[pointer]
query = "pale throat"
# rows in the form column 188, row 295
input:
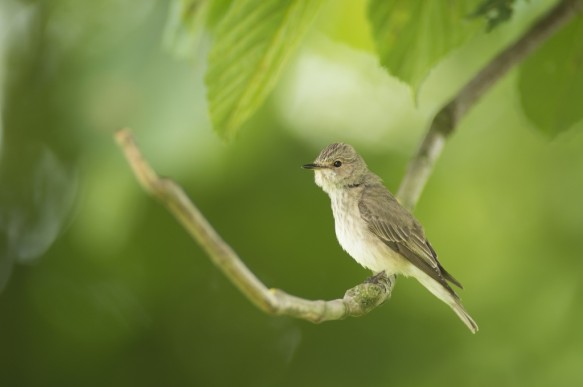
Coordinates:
column 323, row 182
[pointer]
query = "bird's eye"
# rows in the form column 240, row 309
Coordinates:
column 337, row 163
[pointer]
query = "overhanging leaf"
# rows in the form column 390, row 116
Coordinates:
column 551, row 81
column 252, row 45
column 412, row 36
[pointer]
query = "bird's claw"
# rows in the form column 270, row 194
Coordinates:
column 377, row 278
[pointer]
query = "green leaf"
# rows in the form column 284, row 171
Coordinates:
column 217, row 10
column 253, row 43
column 412, row 36
column 551, row 81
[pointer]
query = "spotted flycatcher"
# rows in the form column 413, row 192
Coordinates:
column 376, row 230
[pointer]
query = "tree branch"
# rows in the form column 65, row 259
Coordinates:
column 364, row 297
column 356, row 302
column 447, row 119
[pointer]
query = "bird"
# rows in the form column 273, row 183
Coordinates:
column 376, row 230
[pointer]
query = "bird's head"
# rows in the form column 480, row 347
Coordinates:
column 338, row 166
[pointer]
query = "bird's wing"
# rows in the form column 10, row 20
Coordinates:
column 399, row 230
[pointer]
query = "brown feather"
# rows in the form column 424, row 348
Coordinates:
column 399, row 230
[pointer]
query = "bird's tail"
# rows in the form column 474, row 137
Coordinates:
column 458, row 308
column 447, row 295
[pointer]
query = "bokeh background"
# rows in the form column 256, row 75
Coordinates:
column 101, row 286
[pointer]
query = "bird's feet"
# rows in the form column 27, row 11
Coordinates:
column 382, row 279
column 377, row 278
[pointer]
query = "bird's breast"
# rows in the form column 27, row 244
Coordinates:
column 356, row 239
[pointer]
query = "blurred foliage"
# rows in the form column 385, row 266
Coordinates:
column 185, row 26
column 113, row 292
column 551, row 81
column 188, row 20
column 495, row 12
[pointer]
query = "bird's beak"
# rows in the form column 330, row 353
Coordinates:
column 311, row 166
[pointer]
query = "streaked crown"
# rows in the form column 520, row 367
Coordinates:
column 337, row 151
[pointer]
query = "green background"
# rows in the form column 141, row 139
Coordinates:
column 113, row 292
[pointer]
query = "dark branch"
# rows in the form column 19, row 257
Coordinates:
column 447, row 119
